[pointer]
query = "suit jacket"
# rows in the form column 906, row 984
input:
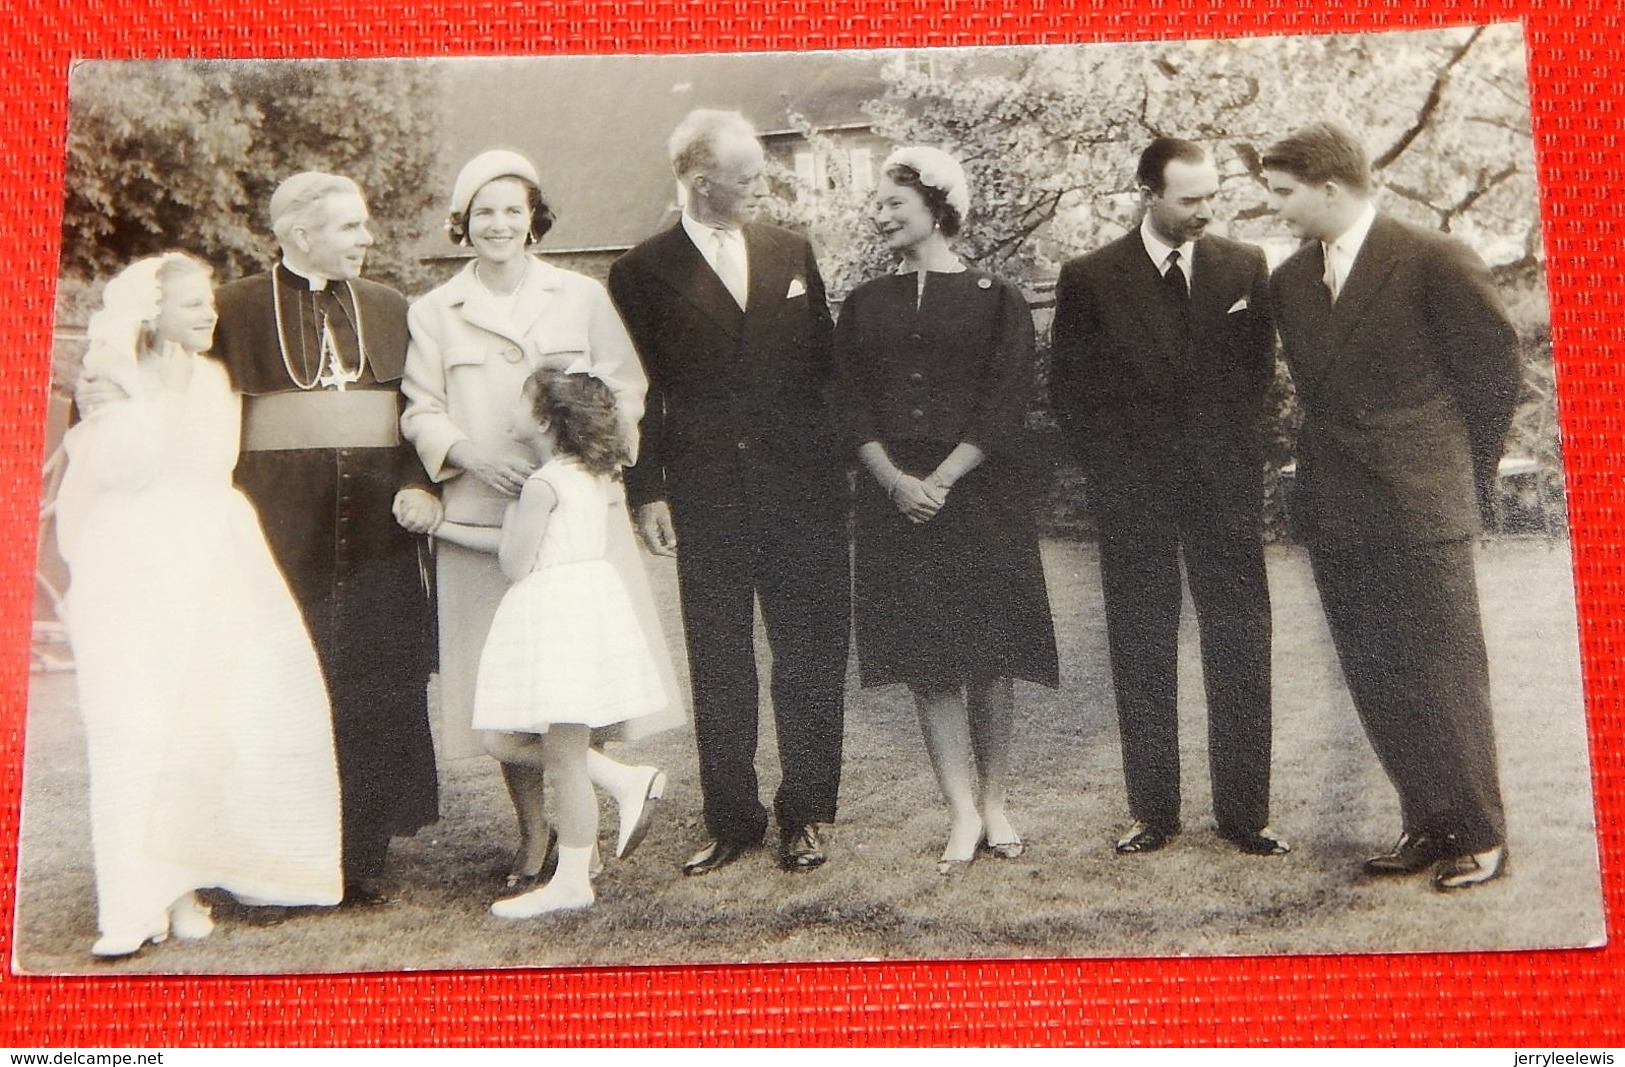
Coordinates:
column 1136, row 391
column 736, row 398
column 467, row 366
column 1408, row 383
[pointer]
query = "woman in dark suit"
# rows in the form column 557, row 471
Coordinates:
column 936, row 367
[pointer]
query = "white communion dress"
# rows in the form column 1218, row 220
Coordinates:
column 210, row 739
column 566, row 645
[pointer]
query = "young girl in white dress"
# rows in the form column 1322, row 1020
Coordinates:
column 210, row 739
column 566, row 652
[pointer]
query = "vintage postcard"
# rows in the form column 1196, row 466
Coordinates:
column 1073, row 501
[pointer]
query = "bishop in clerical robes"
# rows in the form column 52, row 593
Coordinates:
column 318, row 354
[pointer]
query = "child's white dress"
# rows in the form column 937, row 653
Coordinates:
column 210, row 739
column 566, row 645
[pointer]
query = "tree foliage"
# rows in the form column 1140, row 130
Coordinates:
column 1049, row 137
column 185, row 154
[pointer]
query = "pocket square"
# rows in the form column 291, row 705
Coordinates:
column 1239, row 305
column 797, row 288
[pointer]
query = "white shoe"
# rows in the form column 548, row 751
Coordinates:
column 117, row 946
column 637, row 811
column 543, row 901
column 189, row 919
column 570, row 889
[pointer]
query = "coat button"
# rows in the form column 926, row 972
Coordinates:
column 917, row 413
column 743, row 446
column 916, row 338
column 512, row 354
column 916, row 377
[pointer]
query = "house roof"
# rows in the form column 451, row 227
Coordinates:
column 596, row 126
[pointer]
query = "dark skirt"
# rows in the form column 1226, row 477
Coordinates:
column 958, row 598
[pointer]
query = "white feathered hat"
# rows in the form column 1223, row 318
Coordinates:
column 937, row 169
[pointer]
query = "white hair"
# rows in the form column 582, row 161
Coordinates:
column 298, row 201
column 692, row 144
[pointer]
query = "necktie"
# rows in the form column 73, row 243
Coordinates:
column 1174, row 278
column 1330, row 277
column 730, row 265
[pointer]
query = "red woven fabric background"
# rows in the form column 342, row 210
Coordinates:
column 1577, row 66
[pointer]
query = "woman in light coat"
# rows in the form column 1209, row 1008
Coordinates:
column 475, row 340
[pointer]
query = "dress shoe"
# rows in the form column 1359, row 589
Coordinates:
column 569, row 890
column 637, row 810
column 800, row 848
column 1259, row 843
column 965, row 840
column 367, row 896
column 118, row 946
column 1000, row 840
column 546, row 900
column 1143, row 837
column 717, row 854
column 1005, row 850
column 1410, row 854
column 519, row 877
column 1475, row 868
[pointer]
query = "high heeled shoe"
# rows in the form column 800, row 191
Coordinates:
column 1005, row 850
column 519, row 877
column 950, row 863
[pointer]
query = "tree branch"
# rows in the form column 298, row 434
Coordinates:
column 1476, row 194
column 1434, row 98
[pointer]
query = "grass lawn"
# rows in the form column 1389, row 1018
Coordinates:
column 880, row 895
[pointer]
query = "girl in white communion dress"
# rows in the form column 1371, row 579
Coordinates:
column 209, row 735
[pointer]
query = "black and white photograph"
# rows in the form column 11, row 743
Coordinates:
column 1090, row 500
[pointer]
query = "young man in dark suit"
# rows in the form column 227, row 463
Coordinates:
column 1163, row 349
column 740, row 457
column 1407, row 370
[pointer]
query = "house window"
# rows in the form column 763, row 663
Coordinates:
column 807, row 166
column 863, row 169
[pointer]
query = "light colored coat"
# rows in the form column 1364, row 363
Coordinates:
column 468, row 362
column 465, row 371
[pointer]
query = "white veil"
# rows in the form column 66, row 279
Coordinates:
column 106, row 447
column 130, row 304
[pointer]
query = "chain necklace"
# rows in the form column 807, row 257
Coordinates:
column 329, row 372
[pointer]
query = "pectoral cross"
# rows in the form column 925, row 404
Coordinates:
column 334, row 374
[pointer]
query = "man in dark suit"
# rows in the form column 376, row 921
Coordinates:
column 1163, row 349
column 739, row 455
column 1407, row 370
